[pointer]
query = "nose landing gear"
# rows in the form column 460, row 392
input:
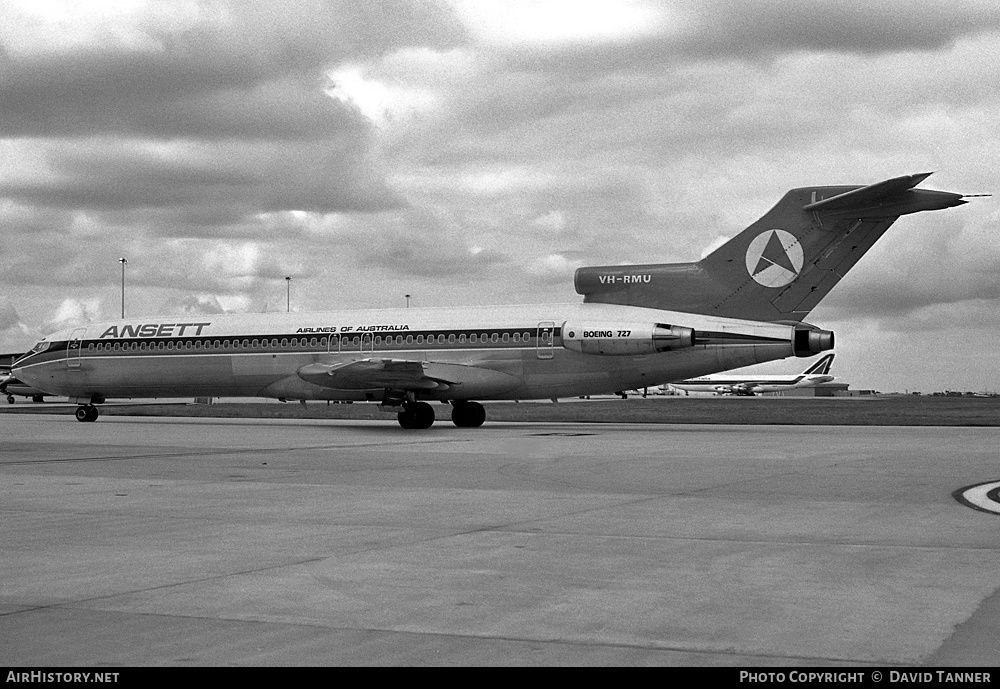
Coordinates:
column 86, row 412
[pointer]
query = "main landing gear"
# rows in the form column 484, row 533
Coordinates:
column 86, row 412
column 416, row 415
column 421, row 415
column 467, row 414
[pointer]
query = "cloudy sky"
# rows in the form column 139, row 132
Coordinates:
column 479, row 151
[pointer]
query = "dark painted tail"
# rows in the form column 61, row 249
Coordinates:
column 821, row 367
column 779, row 268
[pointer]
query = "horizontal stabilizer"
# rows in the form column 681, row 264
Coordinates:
column 868, row 196
column 894, row 196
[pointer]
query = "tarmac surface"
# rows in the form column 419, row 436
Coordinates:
column 137, row 541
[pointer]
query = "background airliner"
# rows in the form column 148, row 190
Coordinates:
column 638, row 326
column 750, row 384
column 11, row 386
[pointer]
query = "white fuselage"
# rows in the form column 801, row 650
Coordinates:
column 511, row 352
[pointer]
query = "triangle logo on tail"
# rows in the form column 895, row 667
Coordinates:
column 774, row 258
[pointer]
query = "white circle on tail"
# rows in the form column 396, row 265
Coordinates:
column 774, row 258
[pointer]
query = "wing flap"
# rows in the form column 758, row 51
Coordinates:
column 402, row 374
column 366, row 374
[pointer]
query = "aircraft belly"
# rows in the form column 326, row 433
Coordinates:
column 570, row 374
column 149, row 376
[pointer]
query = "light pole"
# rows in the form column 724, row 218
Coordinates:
column 288, row 294
column 123, row 261
column 407, row 300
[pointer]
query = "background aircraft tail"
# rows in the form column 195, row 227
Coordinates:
column 780, row 267
column 821, row 367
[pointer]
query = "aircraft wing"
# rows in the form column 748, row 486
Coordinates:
column 403, row 374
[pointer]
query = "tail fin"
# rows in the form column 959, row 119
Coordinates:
column 780, row 267
column 821, row 367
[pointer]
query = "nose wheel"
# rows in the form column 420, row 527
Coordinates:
column 86, row 412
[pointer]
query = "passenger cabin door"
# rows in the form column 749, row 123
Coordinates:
column 74, row 348
column 544, row 340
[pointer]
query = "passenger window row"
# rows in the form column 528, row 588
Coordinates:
column 312, row 343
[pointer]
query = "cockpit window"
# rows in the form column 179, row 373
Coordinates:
column 40, row 347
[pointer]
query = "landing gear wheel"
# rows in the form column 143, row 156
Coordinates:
column 416, row 415
column 86, row 412
column 10, row 399
column 468, row 414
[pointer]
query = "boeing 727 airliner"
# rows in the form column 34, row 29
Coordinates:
column 638, row 326
column 750, row 385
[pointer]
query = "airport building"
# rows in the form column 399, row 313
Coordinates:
column 832, row 389
column 7, row 360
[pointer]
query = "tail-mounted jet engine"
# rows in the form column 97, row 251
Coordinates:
column 624, row 339
column 811, row 340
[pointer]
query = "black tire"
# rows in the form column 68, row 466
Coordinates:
column 425, row 415
column 468, row 414
column 407, row 418
column 86, row 413
column 416, row 415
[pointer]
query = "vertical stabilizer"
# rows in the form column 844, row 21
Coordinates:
column 821, row 367
column 780, row 267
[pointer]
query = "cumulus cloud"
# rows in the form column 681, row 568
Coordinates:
column 72, row 313
column 193, row 304
column 8, row 315
column 188, row 107
column 14, row 333
column 194, row 70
